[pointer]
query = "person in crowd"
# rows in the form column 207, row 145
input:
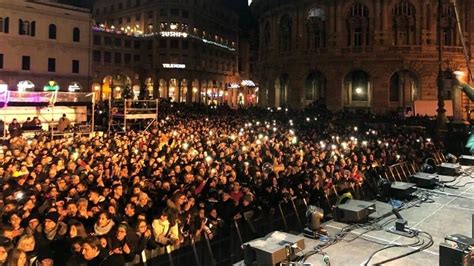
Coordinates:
column 165, row 230
column 104, row 224
column 2, row 127
column 50, row 238
column 145, row 237
column 17, row 257
column 5, row 247
column 64, row 123
column 96, row 255
column 27, row 244
column 36, row 123
column 28, row 124
column 77, row 230
column 14, row 128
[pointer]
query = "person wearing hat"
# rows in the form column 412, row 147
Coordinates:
column 50, row 238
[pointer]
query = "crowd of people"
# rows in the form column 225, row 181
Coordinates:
column 112, row 199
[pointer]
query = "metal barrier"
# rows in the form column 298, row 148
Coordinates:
column 226, row 247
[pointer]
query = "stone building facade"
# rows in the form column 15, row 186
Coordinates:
column 185, row 50
column 376, row 54
column 42, row 41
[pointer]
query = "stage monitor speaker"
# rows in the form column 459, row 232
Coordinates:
column 449, row 169
column 457, row 250
column 354, row 211
column 424, row 180
column 272, row 249
column 466, row 160
column 402, row 190
column 453, row 256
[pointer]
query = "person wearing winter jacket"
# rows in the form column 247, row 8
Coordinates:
column 50, row 238
column 165, row 231
column 96, row 255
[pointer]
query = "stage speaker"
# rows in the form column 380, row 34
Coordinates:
column 449, row 169
column 424, row 180
column 466, row 160
column 354, row 211
column 273, row 249
column 453, row 256
column 402, row 190
column 457, row 250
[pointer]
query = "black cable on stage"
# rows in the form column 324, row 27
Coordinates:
column 425, row 196
column 446, row 193
column 428, row 245
column 460, row 186
column 419, row 242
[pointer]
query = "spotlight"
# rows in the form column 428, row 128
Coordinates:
column 314, row 215
column 451, row 158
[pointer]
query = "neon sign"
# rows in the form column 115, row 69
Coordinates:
column 174, row 66
column 25, row 85
column 174, row 34
column 52, row 86
column 74, row 87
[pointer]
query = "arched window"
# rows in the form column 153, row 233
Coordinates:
column 448, row 24
column 266, row 34
column 285, row 33
column 315, row 87
column 26, row 28
column 52, row 32
column 404, row 87
column 358, row 25
column 357, row 89
column 23, row 27
column 316, row 28
column 404, row 23
column 281, row 90
column 76, row 35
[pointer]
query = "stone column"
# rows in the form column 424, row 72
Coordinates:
column 457, row 105
column 295, row 93
column 380, row 93
column 189, row 95
column 179, row 85
column 199, row 91
column 334, row 98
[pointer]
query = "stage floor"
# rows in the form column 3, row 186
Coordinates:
column 445, row 216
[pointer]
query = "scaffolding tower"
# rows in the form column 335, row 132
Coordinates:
column 123, row 114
